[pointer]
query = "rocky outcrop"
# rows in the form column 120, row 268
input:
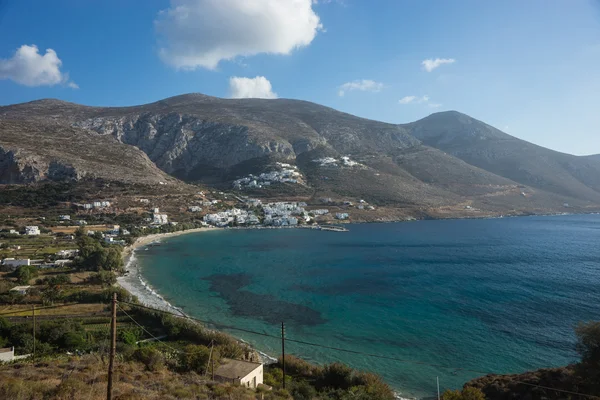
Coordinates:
column 15, row 169
column 35, row 151
column 179, row 143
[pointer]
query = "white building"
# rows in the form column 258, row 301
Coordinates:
column 13, row 232
column 32, row 230
column 245, row 373
column 67, row 253
column 8, row 354
column 158, row 218
column 20, row 289
column 112, row 240
column 341, row 216
column 320, row 212
column 195, row 208
column 12, row 263
column 64, row 217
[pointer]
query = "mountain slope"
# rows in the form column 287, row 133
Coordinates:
column 441, row 162
column 30, row 152
column 488, row 148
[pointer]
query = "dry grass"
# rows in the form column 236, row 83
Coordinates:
column 69, row 230
column 75, row 309
column 85, row 378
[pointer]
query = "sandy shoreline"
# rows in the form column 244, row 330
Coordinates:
column 144, row 240
column 133, row 281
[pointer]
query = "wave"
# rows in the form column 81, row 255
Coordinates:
column 137, row 286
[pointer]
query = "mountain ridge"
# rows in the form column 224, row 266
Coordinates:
column 447, row 159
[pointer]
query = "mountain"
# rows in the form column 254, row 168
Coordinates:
column 488, row 148
column 441, row 165
column 595, row 157
column 31, row 152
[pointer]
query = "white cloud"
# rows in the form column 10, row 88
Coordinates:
column 364, row 85
column 414, row 99
column 431, row 64
column 434, row 105
column 201, row 33
column 407, row 99
column 243, row 88
column 30, row 68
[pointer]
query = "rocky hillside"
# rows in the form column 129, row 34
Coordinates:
column 30, row 152
column 445, row 161
column 488, row 148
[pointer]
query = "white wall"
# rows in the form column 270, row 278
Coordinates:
column 248, row 380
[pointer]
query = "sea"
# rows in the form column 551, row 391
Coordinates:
column 414, row 302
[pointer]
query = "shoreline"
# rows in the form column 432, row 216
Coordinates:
column 135, row 284
column 133, row 281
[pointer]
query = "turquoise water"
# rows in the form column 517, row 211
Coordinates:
column 498, row 295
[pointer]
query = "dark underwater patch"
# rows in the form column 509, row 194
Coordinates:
column 266, row 307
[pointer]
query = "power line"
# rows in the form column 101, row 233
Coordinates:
column 154, row 337
column 391, row 358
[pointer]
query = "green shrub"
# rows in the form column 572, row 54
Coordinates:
column 152, row 358
column 299, row 367
column 468, row 393
column 130, row 336
column 194, row 358
column 336, row 376
column 302, row 390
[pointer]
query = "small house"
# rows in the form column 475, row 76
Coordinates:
column 20, row 289
column 245, row 373
column 32, row 230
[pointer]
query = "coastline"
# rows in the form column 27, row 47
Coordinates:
column 133, row 281
column 135, row 284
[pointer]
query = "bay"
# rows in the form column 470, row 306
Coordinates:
column 452, row 299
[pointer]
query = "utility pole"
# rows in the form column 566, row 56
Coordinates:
column 213, row 369
column 283, row 351
column 113, row 347
column 33, row 311
column 208, row 364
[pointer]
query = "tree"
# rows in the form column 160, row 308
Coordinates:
column 468, row 393
column 113, row 259
column 105, row 278
column 25, row 273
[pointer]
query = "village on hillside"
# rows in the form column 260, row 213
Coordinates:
column 48, row 241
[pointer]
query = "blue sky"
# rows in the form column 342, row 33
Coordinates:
column 530, row 68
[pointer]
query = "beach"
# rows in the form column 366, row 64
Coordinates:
column 133, row 281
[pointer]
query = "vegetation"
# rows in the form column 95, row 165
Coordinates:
column 588, row 346
column 468, row 393
column 25, row 273
column 582, row 377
